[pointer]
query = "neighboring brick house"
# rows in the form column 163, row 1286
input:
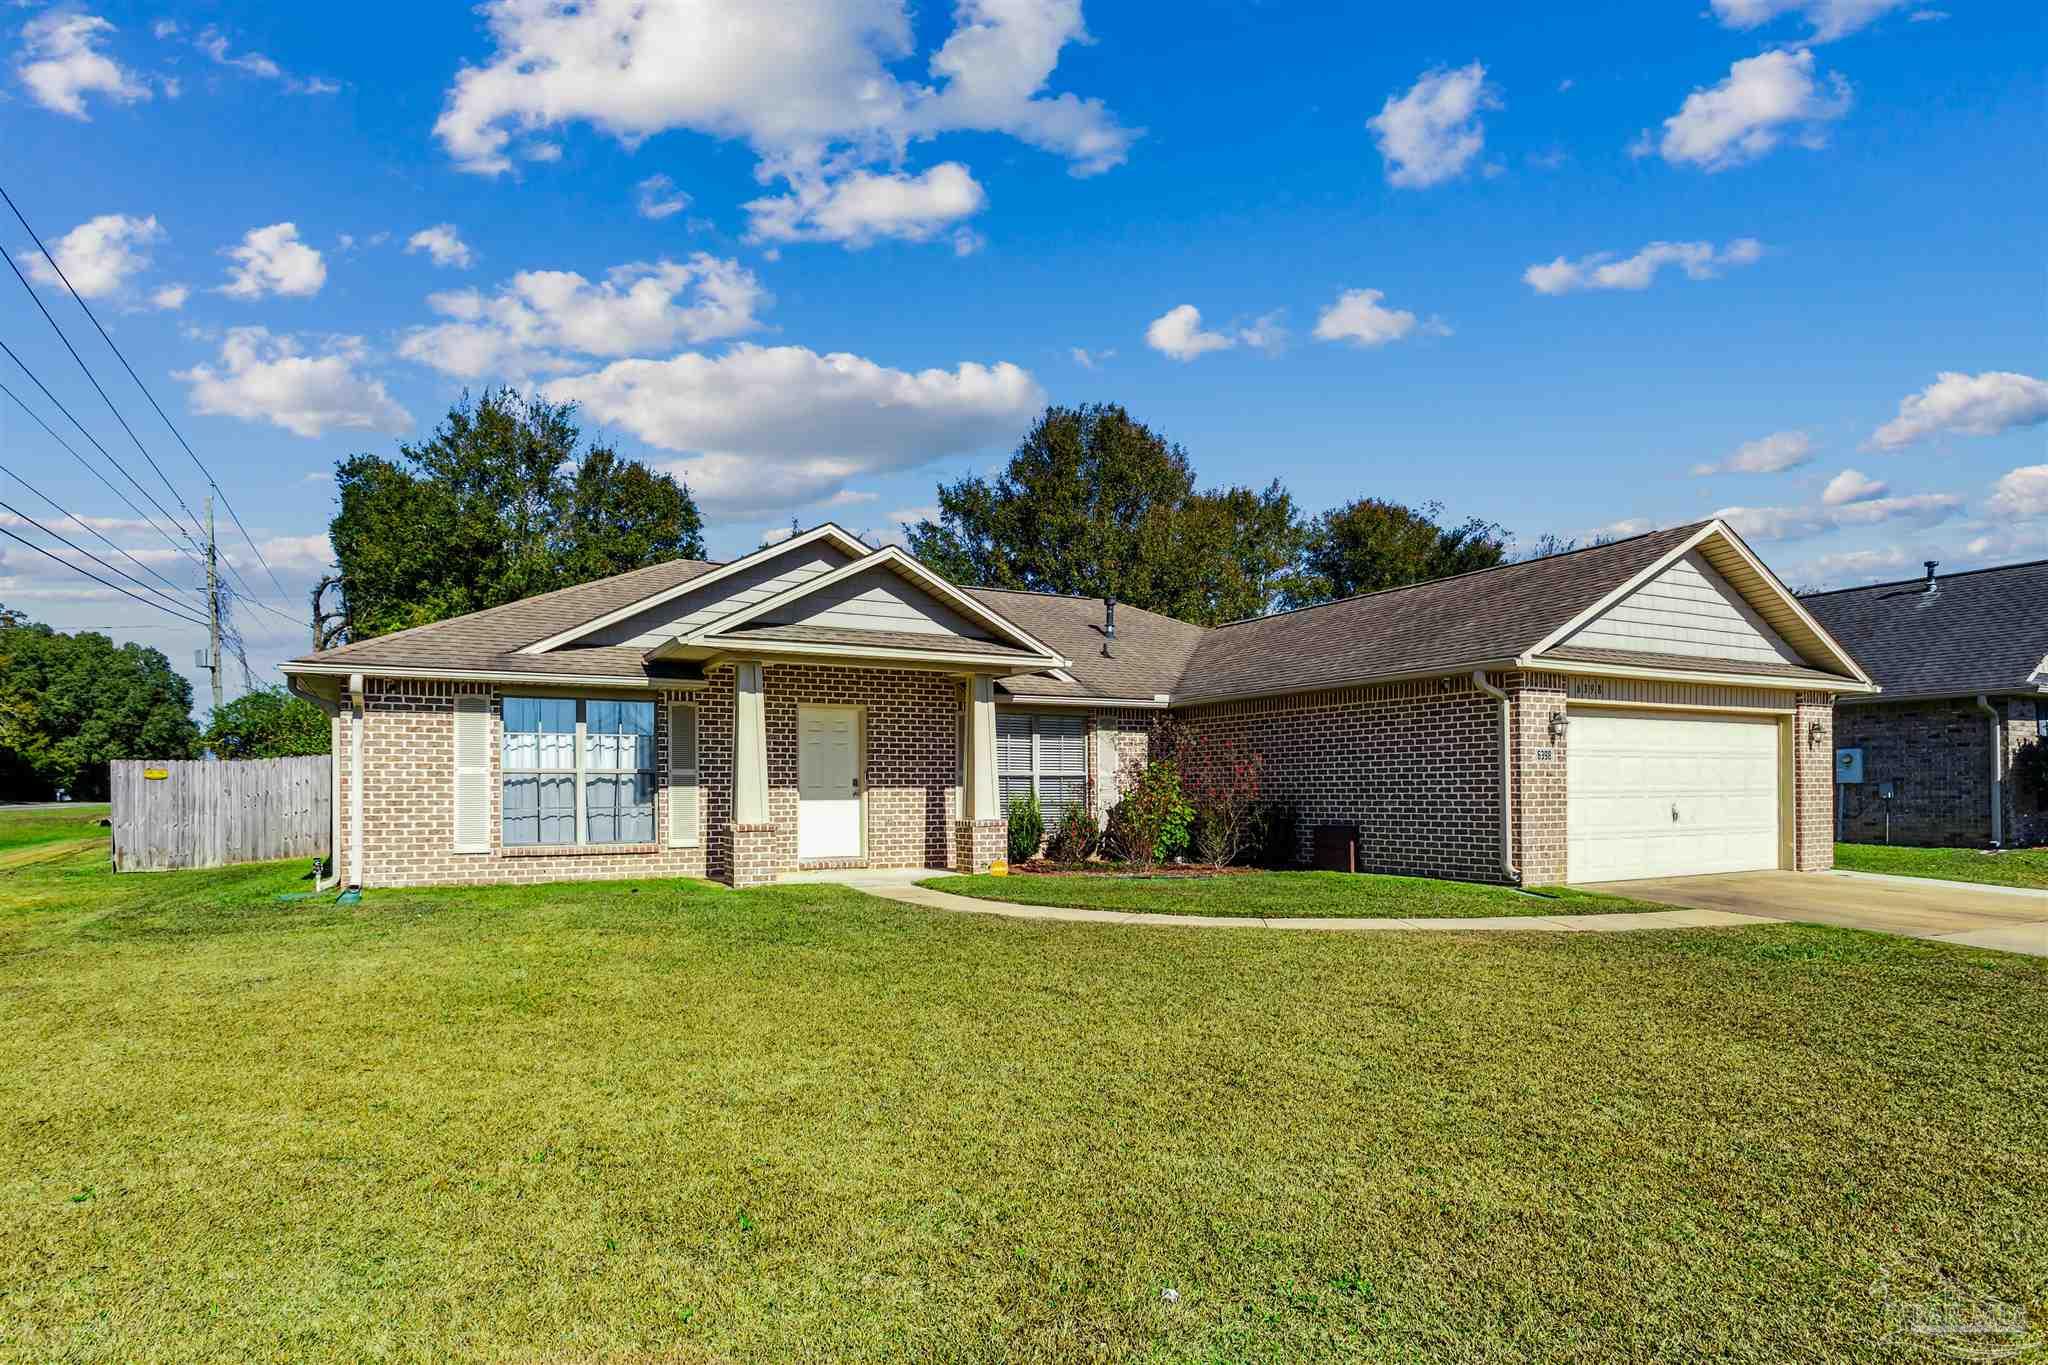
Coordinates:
column 1652, row 707
column 1961, row 660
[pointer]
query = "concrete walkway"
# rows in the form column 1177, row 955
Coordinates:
column 2013, row 919
column 902, row 886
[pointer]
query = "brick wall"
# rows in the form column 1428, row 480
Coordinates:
column 1813, row 782
column 1118, row 742
column 408, row 730
column 1414, row 765
column 911, row 720
column 979, row 843
column 1937, row 755
column 1540, row 789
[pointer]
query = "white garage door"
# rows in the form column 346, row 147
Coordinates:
column 1670, row 795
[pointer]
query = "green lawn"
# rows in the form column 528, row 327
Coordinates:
column 2014, row 867
column 663, row 1122
column 1293, row 895
column 21, row 827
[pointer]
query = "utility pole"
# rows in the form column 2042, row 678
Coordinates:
column 213, row 603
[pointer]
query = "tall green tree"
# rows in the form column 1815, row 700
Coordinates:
column 503, row 501
column 1371, row 544
column 70, row 704
column 268, row 722
column 1098, row 504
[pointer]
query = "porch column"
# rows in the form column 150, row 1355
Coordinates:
column 750, row 748
column 981, row 749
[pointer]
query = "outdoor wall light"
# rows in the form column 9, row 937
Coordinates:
column 1813, row 734
column 1558, row 722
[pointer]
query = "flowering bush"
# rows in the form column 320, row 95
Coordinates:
column 1221, row 781
column 1151, row 823
column 1074, row 839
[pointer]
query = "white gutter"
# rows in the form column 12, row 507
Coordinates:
column 355, row 780
column 522, row 679
column 1997, row 771
column 1507, row 778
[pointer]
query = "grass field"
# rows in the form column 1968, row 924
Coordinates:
column 667, row 1122
column 34, row 835
column 1287, row 895
column 2014, row 867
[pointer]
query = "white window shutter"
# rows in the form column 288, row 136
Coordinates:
column 472, row 774
column 682, row 776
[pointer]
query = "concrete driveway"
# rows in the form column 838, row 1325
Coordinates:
column 1917, row 907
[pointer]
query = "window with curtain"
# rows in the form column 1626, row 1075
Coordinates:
column 540, row 770
column 557, row 748
column 1047, row 755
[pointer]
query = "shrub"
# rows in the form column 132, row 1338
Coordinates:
column 2030, row 766
column 1151, row 823
column 1223, row 784
column 1027, row 828
column 1075, row 837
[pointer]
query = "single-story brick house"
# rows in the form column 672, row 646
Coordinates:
column 1655, row 706
column 1963, row 660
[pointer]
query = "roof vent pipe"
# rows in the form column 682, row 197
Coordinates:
column 1930, row 584
column 1108, row 627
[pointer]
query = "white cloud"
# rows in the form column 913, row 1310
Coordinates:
column 293, row 554
column 1987, row 404
column 2022, row 494
column 1432, row 132
column 98, row 256
column 272, row 260
column 1178, row 333
column 1830, row 19
column 1605, row 270
column 61, row 63
column 1772, row 454
column 1765, row 99
column 1088, row 359
column 1852, row 485
column 657, row 197
column 170, row 297
column 262, row 377
column 825, row 105
column 1856, row 566
column 1357, row 317
column 1265, row 333
column 214, row 44
column 771, row 427
column 911, row 516
column 538, row 318
column 862, row 207
column 444, row 244
column 165, row 28
column 1796, row 523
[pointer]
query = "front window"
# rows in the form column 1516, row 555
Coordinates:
column 1046, row 755
column 572, row 764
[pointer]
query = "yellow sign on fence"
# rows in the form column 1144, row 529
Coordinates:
column 156, row 774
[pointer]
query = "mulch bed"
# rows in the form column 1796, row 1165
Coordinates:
column 1039, row 867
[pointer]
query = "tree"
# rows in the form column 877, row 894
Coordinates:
column 70, row 704
column 1371, row 544
column 1096, row 504
column 268, row 723
column 504, row 501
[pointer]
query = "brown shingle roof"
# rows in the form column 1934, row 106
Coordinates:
column 489, row 640
column 1150, row 654
column 1982, row 631
column 1480, row 617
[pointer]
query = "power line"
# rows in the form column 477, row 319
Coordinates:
column 147, row 602
column 84, row 525
column 90, row 468
column 93, row 379
column 79, row 549
column 23, row 366
column 211, row 482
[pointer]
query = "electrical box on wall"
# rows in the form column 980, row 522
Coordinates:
column 1849, row 765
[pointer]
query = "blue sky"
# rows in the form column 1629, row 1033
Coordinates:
column 1545, row 265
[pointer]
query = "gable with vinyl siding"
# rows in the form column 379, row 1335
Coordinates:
column 1688, row 609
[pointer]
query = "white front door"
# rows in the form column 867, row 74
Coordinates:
column 1661, row 794
column 828, row 823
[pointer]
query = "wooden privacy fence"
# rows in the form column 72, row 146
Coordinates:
column 202, row 814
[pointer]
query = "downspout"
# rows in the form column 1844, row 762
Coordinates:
column 329, row 709
column 1997, row 771
column 1507, row 778
column 355, row 780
